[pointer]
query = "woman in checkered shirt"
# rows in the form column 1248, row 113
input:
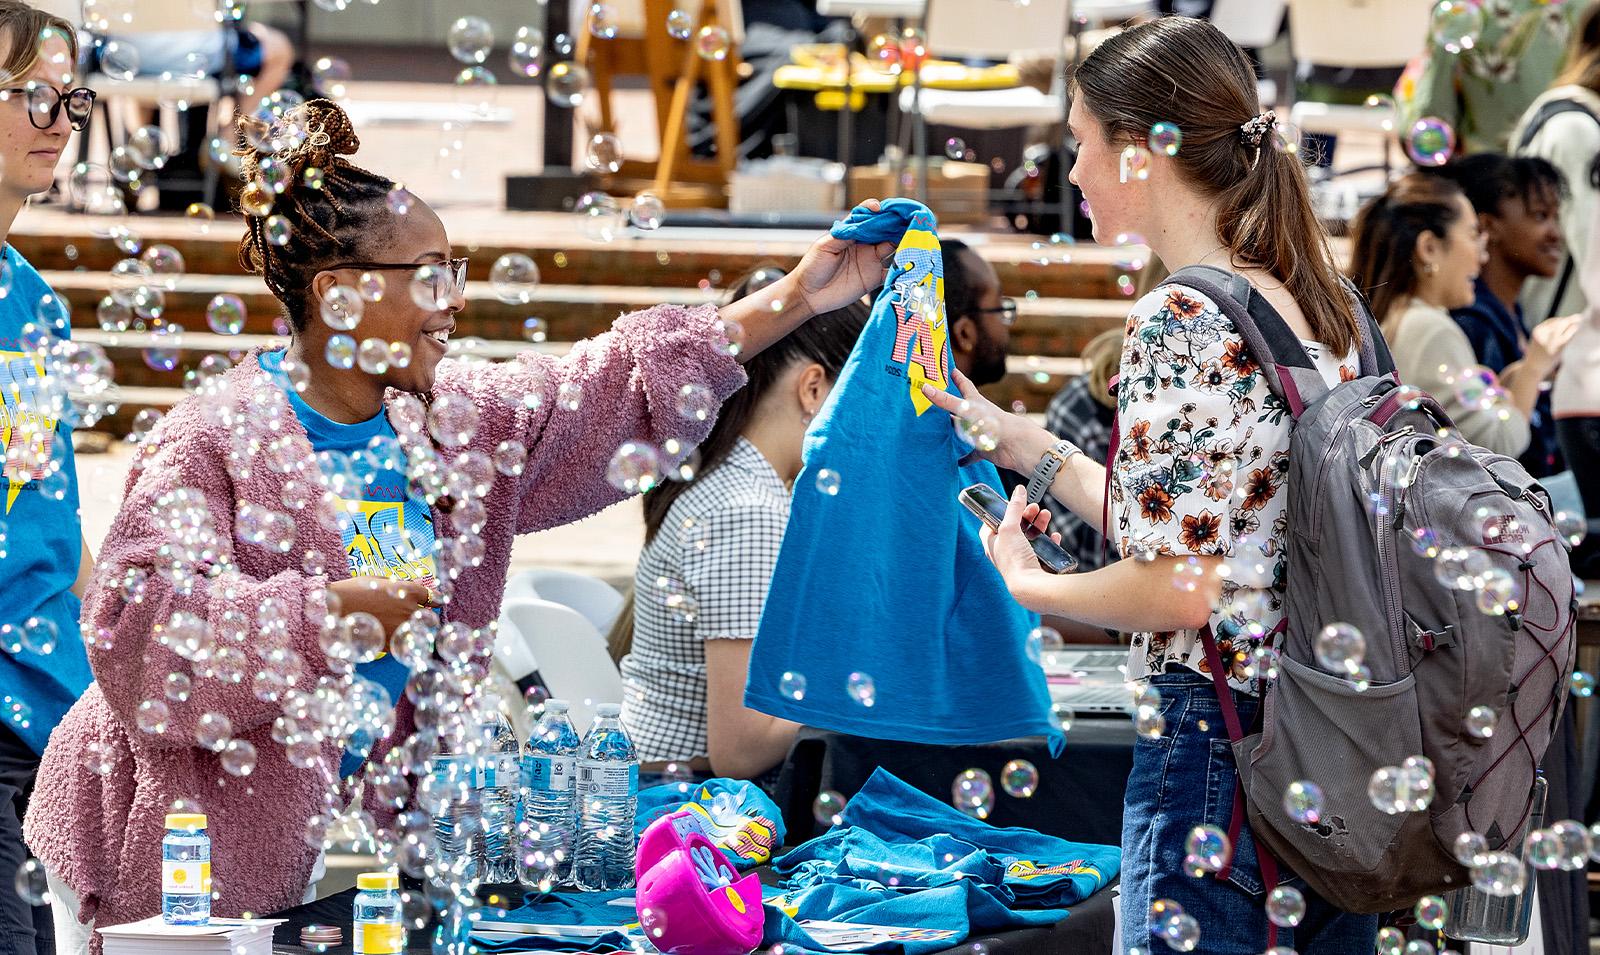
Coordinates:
column 710, row 547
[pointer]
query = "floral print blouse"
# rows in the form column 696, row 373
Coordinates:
column 1200, row 470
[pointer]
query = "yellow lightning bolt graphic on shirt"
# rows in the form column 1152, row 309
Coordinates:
column 922, row 335
column 22, row 425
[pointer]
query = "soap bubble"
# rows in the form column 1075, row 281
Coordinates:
column 566, row 84
column 1208, row 848
column 1430, row 141
column 647, row 212
column 605, row 153
column 1499, row 874
column 1286, row 906
column 792, row 685
column 514, row 277
column 372, row 356
column 471, row 39
column 331, row 76
column 535, row 329
column 828, row 808
column 599, row 216
column 1469, row 847
column 1431, row 912
column 399, row 199
column 32, row 885
column 1134, row 164
column 165, row 263
column 696, row 402
column 1571, row 526
column 1302, row 800
column 712, row 43
column 973, row 793
column 278, row 230
column 680, row 24
column 177, row 686
column 1042, row 640
column 861, row 689
column 399, row 357
column 225, row 314
column 212, row 731
column 1569, row 846
column 119, row 60
column 1340, row 648
column 1457, row 24
column 1479, row 721
column 1181, row 932
column 602, row 22
column 153, row 716
column 1149, row 723
column 635, row 467
column 1165, row 139
column 341, row 308
column 1397, row 789
column 1496, row 593
column 452, row 420
column 341, row 352
column 526, row 48
column 955, row 147
column 1019, row 779
column 431, row 287
column 472, row 76
column 201, row 215
column 828, row 482
column 239, row 757
column 683, row 605
column 569, row 395
column 1582, row 684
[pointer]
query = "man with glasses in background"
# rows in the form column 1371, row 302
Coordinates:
column 980, row 318
column 44, row 560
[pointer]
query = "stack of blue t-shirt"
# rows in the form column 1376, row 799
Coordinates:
column 884, row 617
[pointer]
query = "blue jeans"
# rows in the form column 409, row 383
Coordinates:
column 1186, row 779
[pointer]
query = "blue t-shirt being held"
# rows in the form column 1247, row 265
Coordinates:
column 390, row 530
column 43, row 667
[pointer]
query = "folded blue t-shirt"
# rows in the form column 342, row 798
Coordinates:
column 882, row 579
column 734, row 814
column 568, row 908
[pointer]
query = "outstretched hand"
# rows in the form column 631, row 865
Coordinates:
column 1017, row 442
column 835, row 272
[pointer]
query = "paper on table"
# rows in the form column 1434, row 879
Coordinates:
column 156, row 927
column 841, row 934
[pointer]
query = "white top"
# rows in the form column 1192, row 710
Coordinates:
column 1429, row 348
column 1577, row 386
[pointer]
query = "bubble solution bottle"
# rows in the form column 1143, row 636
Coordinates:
column 378, row 926
column 608, row 789
column 186, row 870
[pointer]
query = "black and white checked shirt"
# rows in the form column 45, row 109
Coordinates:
column 719, row 544
column 1075, row 415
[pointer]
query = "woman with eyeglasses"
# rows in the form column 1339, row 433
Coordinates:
column 44, row 562
column 310, row 558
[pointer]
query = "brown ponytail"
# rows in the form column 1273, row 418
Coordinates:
column 330, row 215
column 1184, row 71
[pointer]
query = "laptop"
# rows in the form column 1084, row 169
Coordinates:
column 1090, row 680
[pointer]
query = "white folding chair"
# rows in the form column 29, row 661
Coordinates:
column 1367, row 34
column 573, row 659
column 1253, row 24
column 598, row 601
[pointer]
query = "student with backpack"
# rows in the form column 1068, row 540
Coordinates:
column 1563, row 126
column 1252, row 351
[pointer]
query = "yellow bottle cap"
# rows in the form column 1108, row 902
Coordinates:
column 377, row 881
column 186, row 820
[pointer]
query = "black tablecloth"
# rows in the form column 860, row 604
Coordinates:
column 1079, row 795
column 1088, row 929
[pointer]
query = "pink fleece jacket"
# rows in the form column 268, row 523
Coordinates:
column 102, row 832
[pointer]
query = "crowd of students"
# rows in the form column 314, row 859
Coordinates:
column 1443, row 257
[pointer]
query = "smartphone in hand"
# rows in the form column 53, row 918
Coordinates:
column 990, row 507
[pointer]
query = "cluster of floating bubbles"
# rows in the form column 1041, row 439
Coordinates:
column 1404, row 788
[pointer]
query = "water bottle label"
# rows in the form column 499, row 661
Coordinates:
column 548, row 773
column 379, row 938
column 454, row 769
column 501, row 770
column 608, row 779
column 185, row 878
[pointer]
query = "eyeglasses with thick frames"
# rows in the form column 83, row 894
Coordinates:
column 1007, row 311
column 457, row 271
column 45, row 102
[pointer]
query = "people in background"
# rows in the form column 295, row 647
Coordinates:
column 1417, row 254
column 1517, row 202
column 980, row 317
column 236, row 47
column 44, row 561
column 1485, row 83
column 1563, row 126
column 1575, row 402
column 717, row 538
column 1082, row 412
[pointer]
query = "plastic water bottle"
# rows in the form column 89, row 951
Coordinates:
column 186, row 870
column 608, row 788
column 378, row 926
column 548, row 829
column 499, row 782
column 457, row 821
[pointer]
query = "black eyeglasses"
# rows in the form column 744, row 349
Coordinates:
column 1007, row 311
column 45, row 102
column 457, row 268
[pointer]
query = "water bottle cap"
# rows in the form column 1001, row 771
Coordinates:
column 186, row 820
column 377, row 881
column 557, row 706
column 608, row 710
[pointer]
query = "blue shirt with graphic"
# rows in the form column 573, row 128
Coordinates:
column 390, row 531
column 43, row 666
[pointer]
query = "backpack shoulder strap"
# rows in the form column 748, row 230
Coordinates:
column 1290, row 372
column 1549, row 110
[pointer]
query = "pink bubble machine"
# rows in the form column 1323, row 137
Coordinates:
column 691, row 900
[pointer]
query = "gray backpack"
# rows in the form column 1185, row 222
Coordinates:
column 1379, row 486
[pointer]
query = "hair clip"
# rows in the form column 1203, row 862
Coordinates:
column 1251, row 131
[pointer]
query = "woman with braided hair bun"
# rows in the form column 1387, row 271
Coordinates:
column 320, row 545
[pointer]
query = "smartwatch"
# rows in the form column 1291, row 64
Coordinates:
column 1045, row 473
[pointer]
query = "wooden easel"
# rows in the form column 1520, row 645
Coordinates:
column 673, row 69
